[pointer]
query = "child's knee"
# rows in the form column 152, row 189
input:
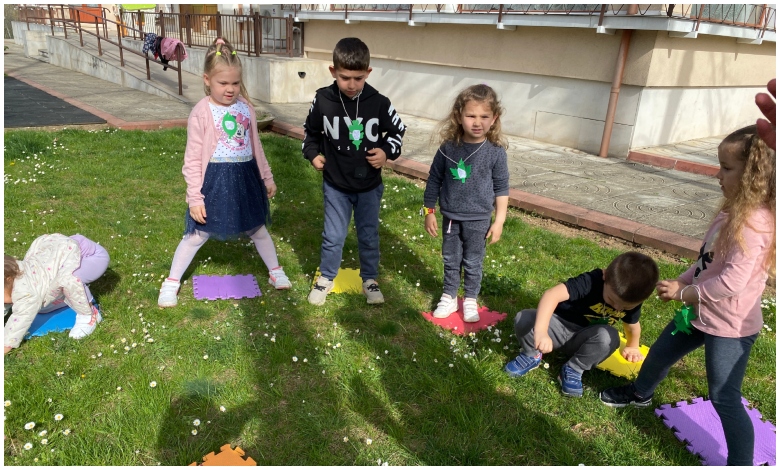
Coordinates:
column 525, row 319
column 607, row 338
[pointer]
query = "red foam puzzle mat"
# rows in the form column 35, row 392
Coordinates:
column 456, row 324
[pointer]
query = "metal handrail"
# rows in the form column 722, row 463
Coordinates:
column 764, row 14
column 246, row 32
column 77, row 25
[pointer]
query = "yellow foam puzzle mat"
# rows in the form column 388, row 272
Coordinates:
column 226, row 457
column 347, row 280
column 617, row 365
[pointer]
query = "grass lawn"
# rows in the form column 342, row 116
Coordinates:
column 290, row 383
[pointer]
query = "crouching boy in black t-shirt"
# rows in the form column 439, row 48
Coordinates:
column 576, row 317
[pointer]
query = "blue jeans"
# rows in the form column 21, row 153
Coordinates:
column 725, row 360
column 339, row 206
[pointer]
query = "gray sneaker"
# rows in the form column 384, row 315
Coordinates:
column 372, row 292
column 320, row 290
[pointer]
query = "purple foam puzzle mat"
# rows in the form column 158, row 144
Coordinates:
column 698, row 426
column 225, row 287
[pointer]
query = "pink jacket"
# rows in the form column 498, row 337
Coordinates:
column 169, row 50
column 201, row 144
column 731, row 287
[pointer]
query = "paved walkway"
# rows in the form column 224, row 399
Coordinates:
column 649, row 205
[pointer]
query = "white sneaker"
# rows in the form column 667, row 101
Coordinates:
column 446, row 307
column 320, row 291
column 278, row 279
column 470, row 314
column 85, row 324
column 372, row 292
column 168, row 293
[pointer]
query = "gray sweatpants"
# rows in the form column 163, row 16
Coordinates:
column 463, row 246
column 588, row 346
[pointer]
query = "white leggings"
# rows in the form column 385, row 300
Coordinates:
column 191, row 243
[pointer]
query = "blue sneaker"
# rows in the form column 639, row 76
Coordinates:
column 571, row 382
column 522, row 365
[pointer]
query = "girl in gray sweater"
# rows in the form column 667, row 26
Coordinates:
column 468, row 177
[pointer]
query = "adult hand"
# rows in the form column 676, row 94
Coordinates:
column 7, row 349
column 767, row 105
column 632, row 354
column 376, row 158
column 431, row 226
column 318, row 162
column 270, row 188
column 198, row 214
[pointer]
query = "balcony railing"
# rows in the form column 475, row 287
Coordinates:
column 758, row 16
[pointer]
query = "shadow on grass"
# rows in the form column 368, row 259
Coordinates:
column 429, row 415
column 105, row 284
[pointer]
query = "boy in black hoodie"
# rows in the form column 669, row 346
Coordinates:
column 351, row 131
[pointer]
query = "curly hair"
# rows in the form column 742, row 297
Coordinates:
column 221, row 54
column 450, row 129
column 756, row 190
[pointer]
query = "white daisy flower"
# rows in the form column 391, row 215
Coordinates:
column 29, row 425
column 295, row 359
column 196, row 422
column 66, row 432
column 28, row 446
column 58, row 417
column 368, row 441
column 44, row 441
column 7, row 403
column 222, row 409
column 152, row 384
column 194, row 432
column 43, row 433
column 346, row 439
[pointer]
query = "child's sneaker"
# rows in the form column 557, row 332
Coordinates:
column 278, row 279
column 372, row 292
column 571, row 382
column 85, row 324
column 619, row 397
column 168, row 293
column 446, row 307
column 320, row 290
column 522, row 365
column 470, row 314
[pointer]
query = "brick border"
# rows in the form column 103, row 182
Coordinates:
column 624, row 229
column 673, row 163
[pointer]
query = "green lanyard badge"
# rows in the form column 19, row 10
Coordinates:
column 683, row 317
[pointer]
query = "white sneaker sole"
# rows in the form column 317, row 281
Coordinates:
column 282, row 287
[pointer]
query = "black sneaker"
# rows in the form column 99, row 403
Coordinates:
column 619, row 397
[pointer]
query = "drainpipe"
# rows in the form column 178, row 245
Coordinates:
column 620, row 67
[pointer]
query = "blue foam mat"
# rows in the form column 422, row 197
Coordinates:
column 59, row 320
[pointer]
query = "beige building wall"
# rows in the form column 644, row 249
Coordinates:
column 710, row 61
column 555, row 82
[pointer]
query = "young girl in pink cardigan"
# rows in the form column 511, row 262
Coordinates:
column 228, row 178
column 725, row 287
